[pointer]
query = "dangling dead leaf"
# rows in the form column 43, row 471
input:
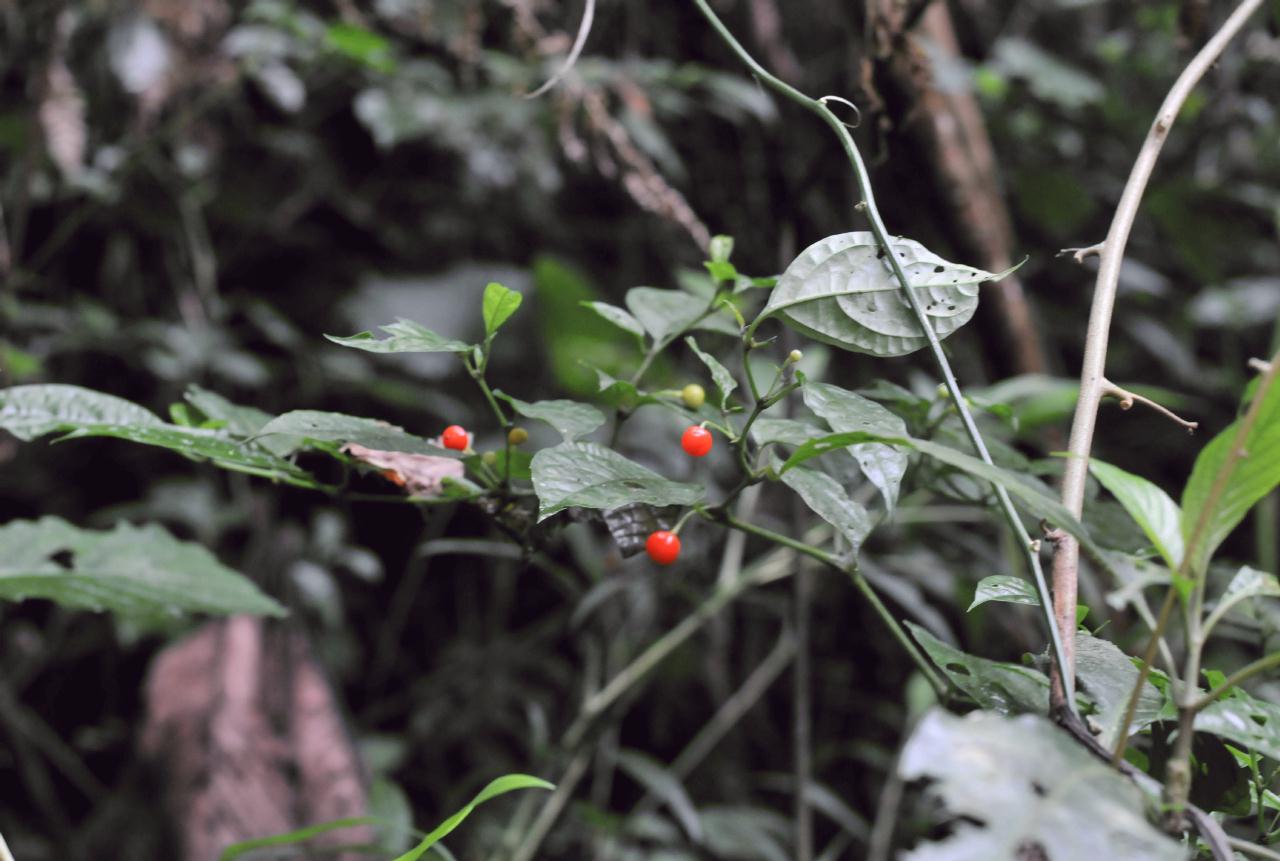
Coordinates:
column 249, row 739
column 419, row 474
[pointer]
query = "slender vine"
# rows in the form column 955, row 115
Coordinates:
column 868, row 205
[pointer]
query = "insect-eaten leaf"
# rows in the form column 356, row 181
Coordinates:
column 841, row 291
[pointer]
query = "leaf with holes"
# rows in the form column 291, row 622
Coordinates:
column 585, row 475
column 1022, row 788
column 841, row 291
column 1006, row 688
column 137, row 571
column 29, row 412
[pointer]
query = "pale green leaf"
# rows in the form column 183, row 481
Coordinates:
column 1247, row 584
column 501, row 786
column 585, row 475
column 841, row 291
column 1149, row 506
column 570, row 418
column 665, row 314
column 404, row 336
column 1006, row 589
column 498, row 305
column 721, row 248
column 719, row 373
column 784, row 431
column 827, row 499
column 141, row 571
column 1011, row 783
column 1251, row 476
column 1245, row 720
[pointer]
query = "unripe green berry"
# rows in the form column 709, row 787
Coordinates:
column 693, row 396
column 795, row 356
column 489, row 458
column 517, row 436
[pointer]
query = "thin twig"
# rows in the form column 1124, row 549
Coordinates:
column 1093, row 370
column 1244, row 673
column 1247, row 848
column 580, row 42
column 1127, row 399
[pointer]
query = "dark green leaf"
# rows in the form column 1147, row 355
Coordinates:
column 338, row 427
column 585, row 475
column 1006, row 688
column 139, row 571
column 826, row 498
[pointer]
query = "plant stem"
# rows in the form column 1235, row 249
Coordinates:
column 831, row 561
column 1247, row 672
column 944, row 366
column 1066, row 559
column 1122, row 740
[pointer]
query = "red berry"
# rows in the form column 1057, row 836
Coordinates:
column 456, row 438
column 696, row 441
column 663, row 547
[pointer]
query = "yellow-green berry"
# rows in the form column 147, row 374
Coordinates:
column 489, row 458
column 517, row 436
column 795, row 356
column 693, row 396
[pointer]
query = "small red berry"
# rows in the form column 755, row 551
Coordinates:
column 696, row 441
column 456, row 438
column 663, row 547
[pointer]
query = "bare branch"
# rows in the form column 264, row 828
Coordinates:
column 584, row 29
column 1127, row 399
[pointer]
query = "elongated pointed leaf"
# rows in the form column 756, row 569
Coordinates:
column 499, row 304
column 827, row 499
column 883, row 465
column 1207, row 521
column 1021, row 785
column 1107, row 676
column 719, row 373
column 1006, row 688
column 404, row 336
column 585, row 475
column 130, row 569
column 501, row 786
column 301, row 835
column 1149, row 506
column 659, row 780
column 841, row 291
column 29, row 412
column 341, row 428
column 570, row 418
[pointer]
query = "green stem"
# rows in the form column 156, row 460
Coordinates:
column 1247, row 672
column 944, row 366
column 1131, row 709
column 830, row 560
